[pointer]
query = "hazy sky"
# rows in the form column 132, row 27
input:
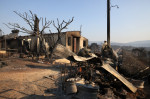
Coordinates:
column 131, row 22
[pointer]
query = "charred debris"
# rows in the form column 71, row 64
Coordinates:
column 97, row 75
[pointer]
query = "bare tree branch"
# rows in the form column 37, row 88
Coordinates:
column 27, row 18
column 16, row 25
column 33, row 18
column 61, row 26
column 50, row 31
column 46, row 25
column 30, row 20
column 8, row 26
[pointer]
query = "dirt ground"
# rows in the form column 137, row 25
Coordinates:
column 26, row 80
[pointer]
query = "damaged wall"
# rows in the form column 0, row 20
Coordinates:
column 75, row 42
column 83, row 42
column 70, row 39
column 52, row 38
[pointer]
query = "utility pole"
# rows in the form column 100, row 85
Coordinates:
column 108, row 22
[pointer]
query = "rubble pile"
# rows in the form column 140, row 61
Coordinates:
column 97, row 76
column 108, row 86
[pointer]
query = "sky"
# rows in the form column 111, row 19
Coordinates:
column 131, row 22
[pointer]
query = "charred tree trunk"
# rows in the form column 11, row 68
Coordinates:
column 36, row 32
column 60, row 26
column 36, row 26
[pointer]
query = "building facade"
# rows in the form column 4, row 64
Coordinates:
column 70, row 39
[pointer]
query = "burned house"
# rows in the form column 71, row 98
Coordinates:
column 10, row 42
column 70, row 39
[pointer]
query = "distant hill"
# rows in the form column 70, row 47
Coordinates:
column 145, row 43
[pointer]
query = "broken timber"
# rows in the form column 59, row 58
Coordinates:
column 108, row 68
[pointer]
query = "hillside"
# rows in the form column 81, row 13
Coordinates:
column 145, row 43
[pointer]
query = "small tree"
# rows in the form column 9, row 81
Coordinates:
column 59, row 27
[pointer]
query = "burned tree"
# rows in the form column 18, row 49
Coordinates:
column 39, row 45
column 60, row 27
column 33, row 21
